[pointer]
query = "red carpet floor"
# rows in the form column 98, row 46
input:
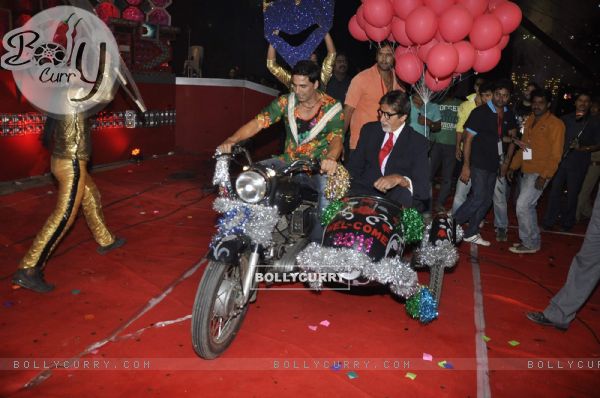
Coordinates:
column 140, row 297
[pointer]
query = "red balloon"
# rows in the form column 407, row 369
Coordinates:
column 355, row 30
column 378, row 34
column 403, row 8
column 494, row 4
column 466, row 56
column 424, row 49
column 360, row 17
column 439, row 6
column 455, row 24
column 510, row 16
column 399, row 32
column 475, row 7
column 503, row 42
column 421, row 25
column 409, row 68
column 378, row 13
column 442, row 59
column 486, row 32
column 486, row 60
column 439, row 38
column 437, row 84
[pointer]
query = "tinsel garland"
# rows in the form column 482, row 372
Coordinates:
column 401, row 278
column 442, row 254
column 221, row 177
column 412, row 225
column 255, row 221
column 422, row 306
column 338, row 184
column 330, row 211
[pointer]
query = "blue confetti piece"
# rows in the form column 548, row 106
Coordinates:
column 8, row 304
column 448, row 365
column 293, row 17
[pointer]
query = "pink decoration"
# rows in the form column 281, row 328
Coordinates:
column 360, row 17
column 408, row 67
column 442, row 59
column 475, row 7
column 355, row 30
column 436, row 84
column 133, row 14
column 486, row 60
column 134, row 2
column 424, row 49
column 466, row 56
column 421, row 25
column 399, row 32
column 439, row 6
column 378, row 34
column 159, row 16
column 378, row 13
column 403, row 8
column 503, row 42
column 455, row 24
column 509, row 15
column 486, row 32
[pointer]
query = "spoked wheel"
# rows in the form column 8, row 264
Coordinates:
column 219, row 309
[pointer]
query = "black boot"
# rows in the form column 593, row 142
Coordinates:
column 32, row 279
column 115, row 245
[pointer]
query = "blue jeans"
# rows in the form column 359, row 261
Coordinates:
column 501, row 192
column 529, row 232
column 478, row 201
column 316, row 182
column 460, row 195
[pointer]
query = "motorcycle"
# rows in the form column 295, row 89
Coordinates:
column 265, row 226
column 266, row 218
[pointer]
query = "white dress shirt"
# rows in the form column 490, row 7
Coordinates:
column 384, row 163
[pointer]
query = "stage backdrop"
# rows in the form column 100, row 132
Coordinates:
column 208, row 111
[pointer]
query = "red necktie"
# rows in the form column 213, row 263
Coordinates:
column 386, row 149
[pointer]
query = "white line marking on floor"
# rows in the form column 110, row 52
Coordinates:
column 483, row 379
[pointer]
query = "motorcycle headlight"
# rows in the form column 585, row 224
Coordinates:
column 251, row 187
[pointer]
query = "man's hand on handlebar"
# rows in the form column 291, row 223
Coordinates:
column 226, row 146
column 328, row 166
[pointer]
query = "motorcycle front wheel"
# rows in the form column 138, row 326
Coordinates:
column 219, row 309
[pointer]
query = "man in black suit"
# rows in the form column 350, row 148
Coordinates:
column 390, row 159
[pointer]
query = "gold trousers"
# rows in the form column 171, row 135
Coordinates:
column 75, row 187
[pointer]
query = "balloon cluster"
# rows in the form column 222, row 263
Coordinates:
column 449, row 37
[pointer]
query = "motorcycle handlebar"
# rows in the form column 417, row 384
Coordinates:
column 303, row 165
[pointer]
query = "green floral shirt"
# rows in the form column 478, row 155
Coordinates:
column 317, row 147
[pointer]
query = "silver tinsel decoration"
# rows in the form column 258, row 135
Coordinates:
column 221, row 177
column 258, row 225
column 402, row 279
column 442, row 254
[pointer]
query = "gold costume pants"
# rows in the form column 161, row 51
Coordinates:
column 75, row 187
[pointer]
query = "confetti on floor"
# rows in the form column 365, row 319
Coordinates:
column 427, row 357
column 514, row 343
column 352, row 375
column 486, row 339
column 442, row 364
column 313, row 328
column 75, row 291
column 325, row 323
column 410, row 375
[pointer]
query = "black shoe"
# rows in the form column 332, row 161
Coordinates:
column 540, row 319
column 115, row 245
column 32, row 279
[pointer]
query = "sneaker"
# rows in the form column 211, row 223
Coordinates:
column 540, row 319
column 115, row 245
column 522, row 249
column 501, row 235
column 477, row 239
column 32, row 279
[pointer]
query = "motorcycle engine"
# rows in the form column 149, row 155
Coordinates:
column 302, row 220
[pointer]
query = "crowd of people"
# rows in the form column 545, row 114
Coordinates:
column 394, row 142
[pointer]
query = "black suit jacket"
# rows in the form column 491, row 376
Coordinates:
column 408, row 158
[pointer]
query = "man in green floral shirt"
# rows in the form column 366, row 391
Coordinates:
column 314, row 124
